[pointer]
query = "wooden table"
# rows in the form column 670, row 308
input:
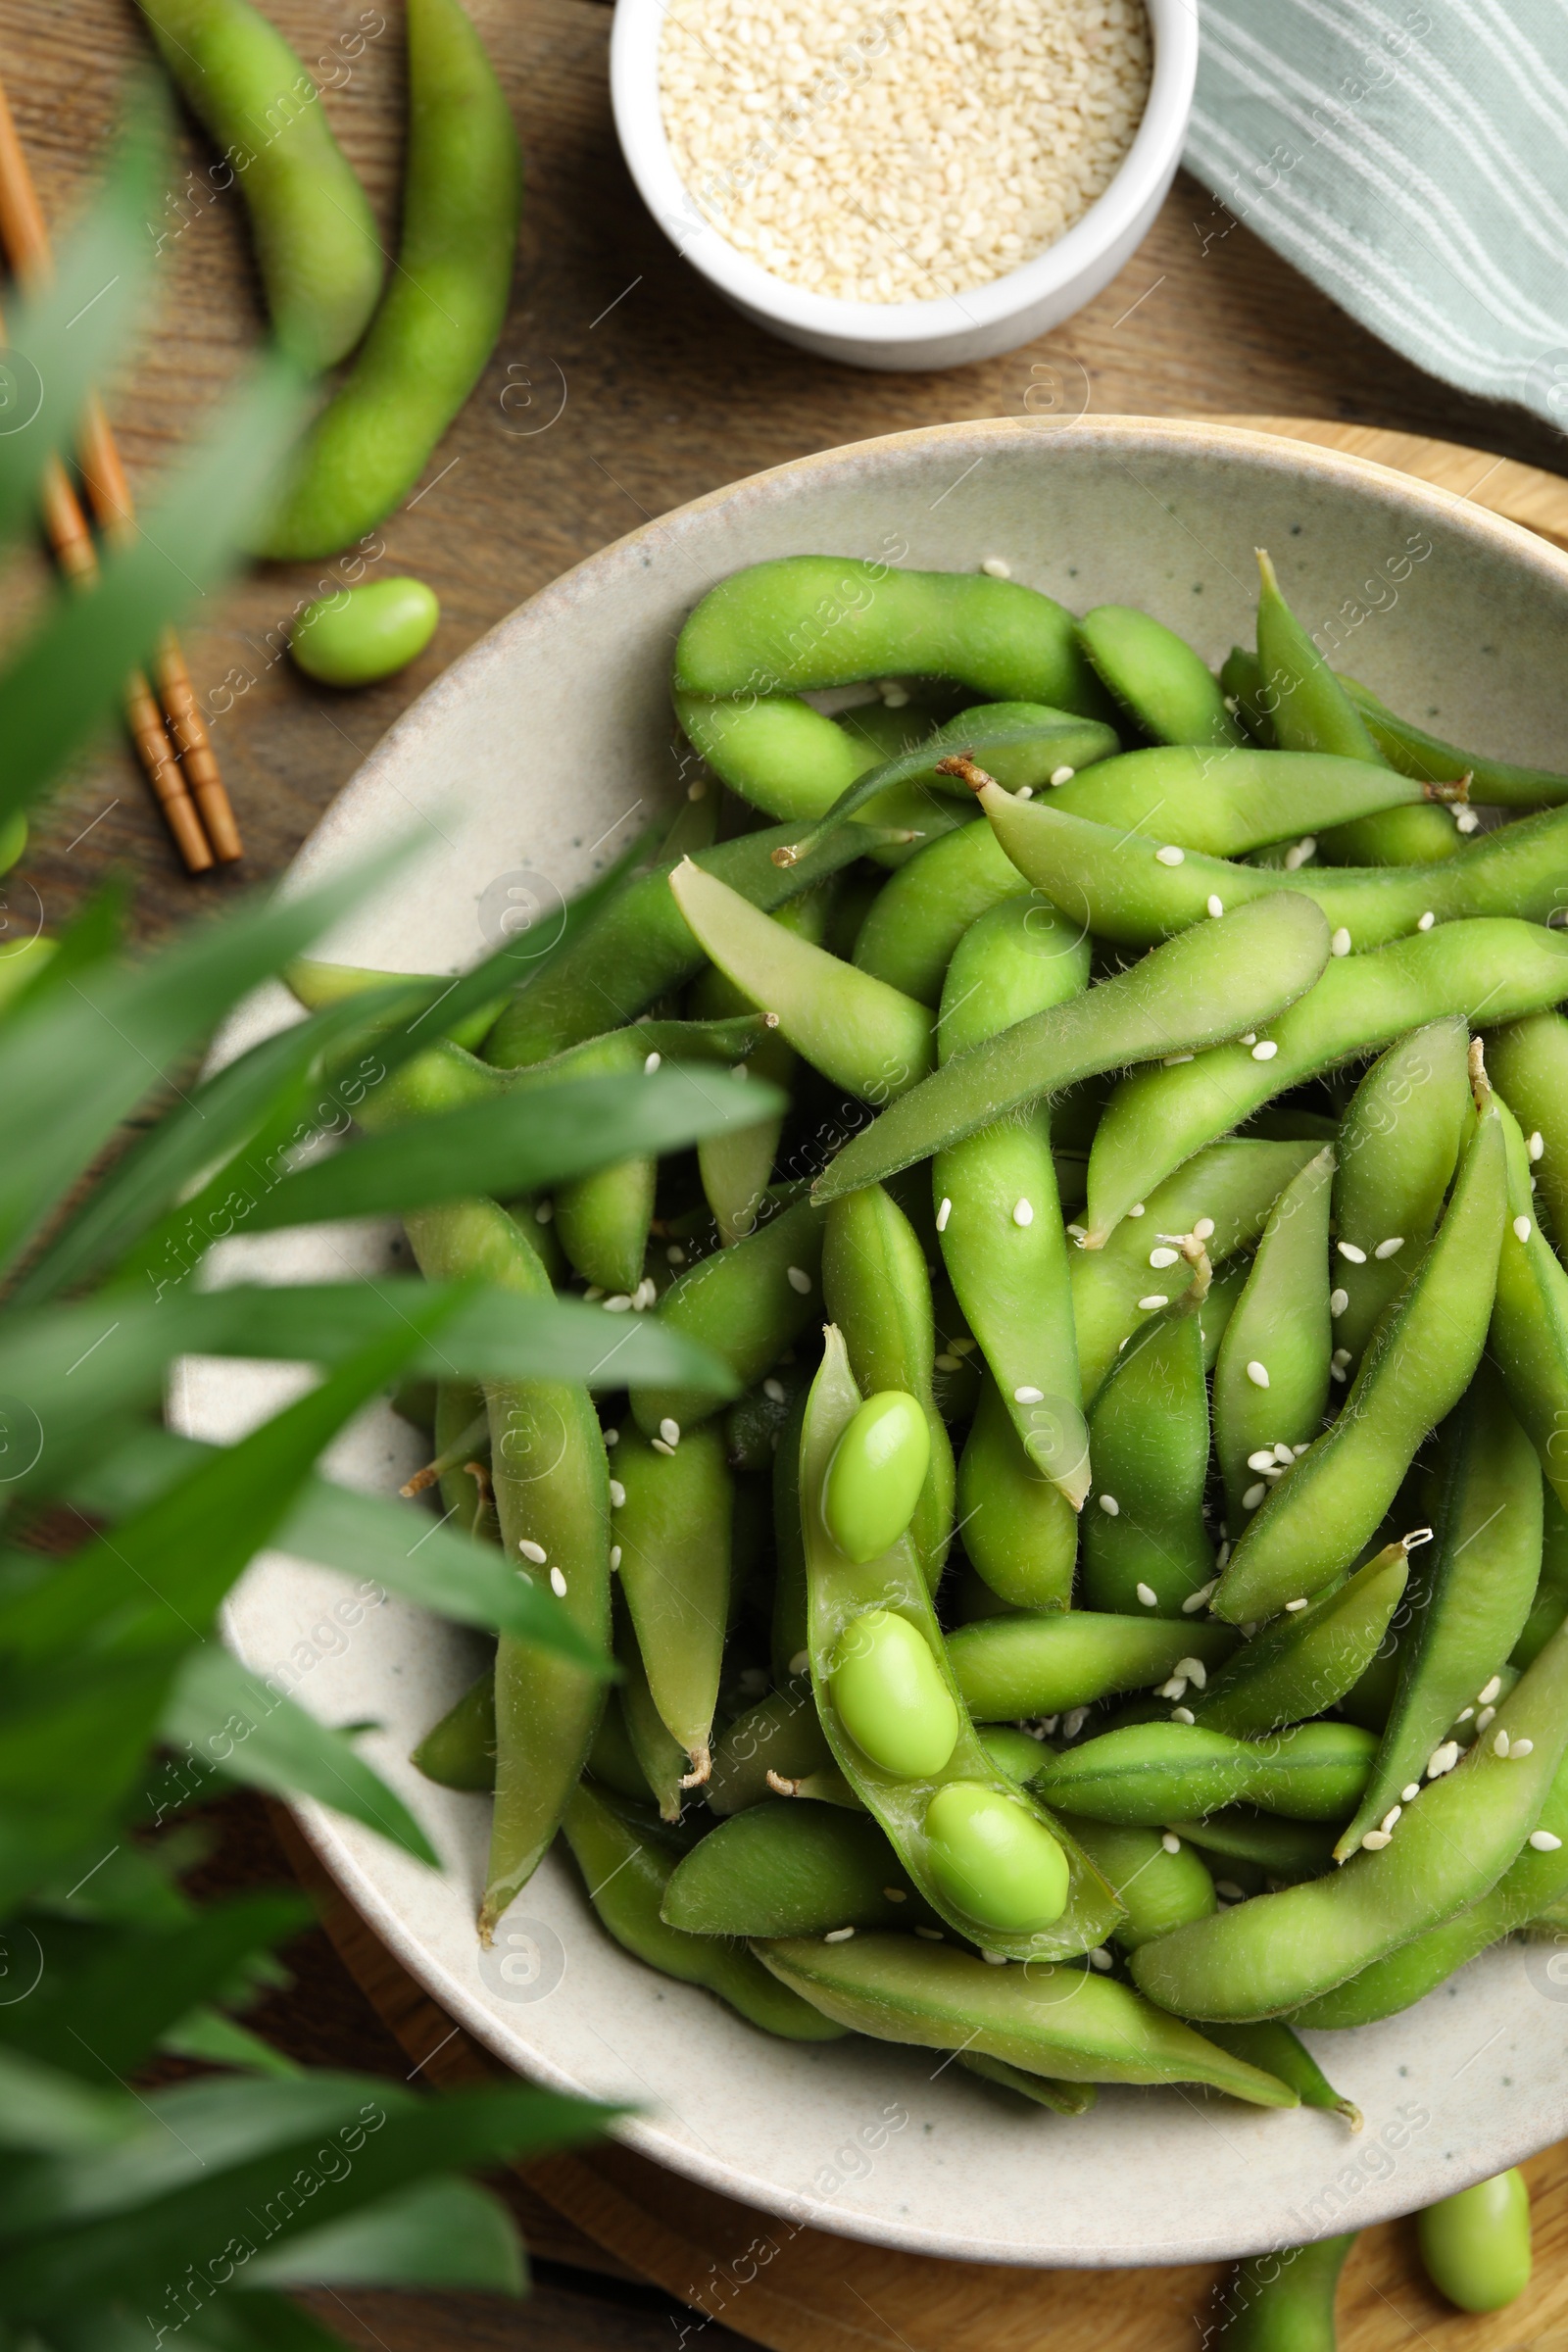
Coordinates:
column 621, row 388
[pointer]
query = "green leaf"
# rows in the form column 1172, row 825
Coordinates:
column 520, row 1143
column 220, row 2040
column 231, row 1720
column 42, row 2109
column 444, row 2232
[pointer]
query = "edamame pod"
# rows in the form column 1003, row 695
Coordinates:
column 780, row 1736
column 438, row 320
column 1019, row 1530
column 920, row 915
column 1190, row 993
column 806, row 622
column 792, row 1870
column 1476, row 2243
column 746, row 1302
column 1160, row 1883
column 787, row 1634
column 1271, row 1377
column 1528, row 1066
column 613, row 1757
column 466, row 1490
column 1398, row 1144
column 736, row 1167
column 1416, row 753
column 1420, row 1361
column 1155, row 675
column 663, row 1763
column 839, row 1595
column 603, row 1217
column 1271, row 2045
column 1149, row 1773
column 1062, row 2098
column 1284, row 2302
column 779, row 753
column 1472, row 1596
column 1260, row 1849
column 1529, row 1337
column 1146, row 1543
column 1060, row 2021
column 1229, row 1188
column 673, row 1505
column 1550, row 1604
column 1453, row 1842
column 460, row 1750
column 876, row 1289
column 1219, row 804
column 552, row 1491
column 626, row 1860
column 860, row 1033
column 1306, row 1659
column 1158, row 1118
column 316, row 246
column 1039, row 1663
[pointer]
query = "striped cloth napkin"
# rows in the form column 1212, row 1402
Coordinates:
column 1412, row 161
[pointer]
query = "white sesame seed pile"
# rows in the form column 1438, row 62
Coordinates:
column 903, row 153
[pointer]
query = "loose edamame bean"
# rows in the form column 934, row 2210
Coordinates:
column 1398, row 1143
column 438, row 320
column 1149, row 1773
column 1161, row 1882
column 889, row 1692
column 874, row 1479
column 673, row 1517
column 1421, row 1359
column 1039, row 1663
column 1476, row 2243
column 316, row 237
column 364, row 634
column 1145, row 1543
column 626, row 1861
column 1529, row 1064
column 1155, row 675
column 994, row 1861
column 1190, row 993
column 1306, row 1660
column 792, row 1870
column 1284, row 2302
column 1271, row 1377
column 746, row 1302
column 1062, row 2022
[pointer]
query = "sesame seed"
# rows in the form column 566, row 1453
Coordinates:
column 1183, row 1715
column 1194, row 1669
column 1170, row 854
column 1028, row 1396
column 1257, row 1374
column 1249, row 1039
column 1023, row 1212
column 1442, row 1759
column 1078, row 1232
column 1155, row 1299
column 1357, row 1257
column 661, row 1445
column 1263, row 1459
column 543, row 1211
column 1176, row 1687
column 1340, row 1356
column 1170, row 1841
column 1110, row 1505
column 1026, row 792
column 651, row 1064
column 1099, row 1959
column 670, row 1431
column 1391, row 1247
column 1195, row 1600
column 674, row 1255
column 557, row 1584
column 1254, row 1496
column 943, row 1214
column 1285, row 1454
column 595, row 1290
column 1265, row 1049
column 1204, row 1230
column 929, row 1935
column 1072, row 1723
column 1161, row 1258
column 1216, row 907
column 799, row 1278
column 1390, row 1817
column 1339, row 944
column 740, row 1070
column 1230, row 1890
column 1409, row 1794
column 801, row 1661
column 1465, row 820
column 1148, row 1595
column 1173, row 1061
column 1537, row 1144
column 1339, row 1301
column 1464, row 1715
column 1544, row 1841
column 612, row 1437
column 1299, row 855
column 614, row 1557
column 1063, row 775
column 1136, row 1210
column 1521, row 1229
column 1490, row 1690
column 1293, row 1608
column 617, row 1494
column 1376, row 1840
column 773, row 1389
column 994, row 1959
column 621, row 1304
column 995, row 568
column 1426, row 920
column 1486, row 1717
column 946, row 1363
column 532, row 1551
column 1519, row 1747
column 838, row 1936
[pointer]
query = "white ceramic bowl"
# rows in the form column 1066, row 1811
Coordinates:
column 526, row 757
column 956, row 328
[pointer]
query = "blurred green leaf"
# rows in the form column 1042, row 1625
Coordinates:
column 218, row 2039
column 441, row 2233
column 43, row 2109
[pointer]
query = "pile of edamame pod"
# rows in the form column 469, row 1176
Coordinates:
column 1121, row 1618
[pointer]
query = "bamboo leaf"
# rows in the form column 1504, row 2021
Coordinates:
column 441, row 2233
column 42, row 2109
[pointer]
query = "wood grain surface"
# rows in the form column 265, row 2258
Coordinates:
column 622, row 387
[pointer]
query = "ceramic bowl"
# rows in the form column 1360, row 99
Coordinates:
column 523, row 769
column 950, row 331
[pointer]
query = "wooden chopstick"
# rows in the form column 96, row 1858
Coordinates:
column 24, row 235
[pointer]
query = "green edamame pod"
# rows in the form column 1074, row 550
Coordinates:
column 1260, row 1849
column 438, row 320
column 1190, row 993
column 1398, row 1143
column 1062, row 2098
column 1160, row 1883
column 1450, row 1848
column 920, row 915
column 1158, row 1118
column 892, row 1592
column 1271, row 1376
column 1268, row 2043
column 613, row 1757
column 1476, row 2243
column 1019, row 1530
column 1419, row 1363
column 1529, row 1337
column 1283, row 2302
column 1472, row 1599
column 1219, row 804
column 663, row 1763
column 1550, row 1604
column 778, row 753
column 1039, row 1663
column 460, row 1750
column 792, row 1870
column 1528, row 1066
column 465, row 1492
column 787, row 1634
column 858, row 1032
column 746, row 1302
column 1155, row 675
column 754, row 1425
column 626, row 1860
column 807, row 621
column 1416, row 753
column 876, row 1289
column 603, row 1219
column 781, row 1734
column 1307, row 1659
column 1312, row 712
column 1229, row 1188
column 735, row 1168
column 1240, row 678
column 1148, row 1773
column 552, row 1491
column 1146, row 1543
column 316, row 237
column 1060, row 2021
column 672, row 1503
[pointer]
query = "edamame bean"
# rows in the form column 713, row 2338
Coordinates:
column 1415, row 753
column 1158, row 1116
column 1398, row 1143
column 364, row 634
column 1146, row 1543
column 1044, row 1663
column 672, row 1514
column 746, row 1302
column 889, row 1694
column 316, row 237
column 1161, row 1882
column 807, row 621
column 842, row 1594
column 1476, row 2243
column 1062, row 2022
column 874, row 1479
column 626, row 1861
column 1306, row 1659
column 1451, row 1846
column 1284, row 2302
column 1155, row 675
column 1421, row 1359
column 438, row 320
column 792, row 1870
column 993, row 1860
column 1149, row 1773
column 460, row 1750
column 1472, row 1596
column 1271, row 1377
column 1528, row 1066
column 1189, row 992
column 1019, row 1530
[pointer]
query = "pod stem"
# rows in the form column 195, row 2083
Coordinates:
column 426, row 1477
column 702, row 1763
